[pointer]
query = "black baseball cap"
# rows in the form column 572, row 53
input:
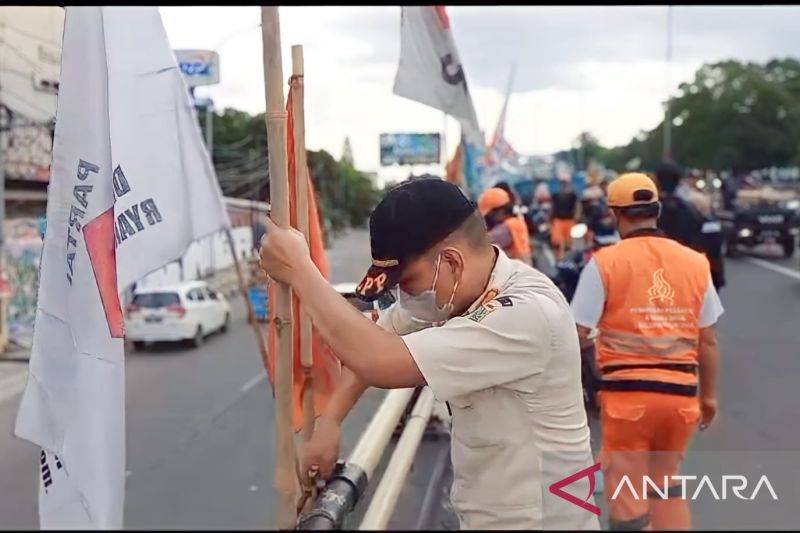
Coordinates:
column 409, row 221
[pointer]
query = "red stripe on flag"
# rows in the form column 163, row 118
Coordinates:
column 99, row 237
column 443, row 18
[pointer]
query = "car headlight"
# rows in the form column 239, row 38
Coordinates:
column 578, row 231
column 792, row 205
column 745, row 232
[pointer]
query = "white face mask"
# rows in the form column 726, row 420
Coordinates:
column 423, row 307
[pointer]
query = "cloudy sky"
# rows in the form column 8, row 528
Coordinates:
column 600, row 69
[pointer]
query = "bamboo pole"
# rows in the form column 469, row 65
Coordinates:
column 306, row 355
column 251, row 316
column 285, row 457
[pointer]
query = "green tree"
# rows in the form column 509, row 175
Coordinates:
column 345, row 195
column 732, row 115
column 348, row 196
column 240, row 154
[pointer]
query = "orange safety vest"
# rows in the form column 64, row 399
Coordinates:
column 520, row 240
column 649, row 329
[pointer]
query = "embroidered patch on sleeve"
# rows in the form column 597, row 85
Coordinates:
column 505, row 301
column 480, row 313
column 490, row 305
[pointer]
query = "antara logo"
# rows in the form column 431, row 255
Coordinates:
column 659, row 489
column 556, row 487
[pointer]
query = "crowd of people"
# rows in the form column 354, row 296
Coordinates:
column 686, row 215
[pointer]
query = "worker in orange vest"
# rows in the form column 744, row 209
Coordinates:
column 566, row 212
column 654, row 306
column 506, row 229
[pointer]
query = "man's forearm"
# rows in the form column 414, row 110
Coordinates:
column 345, row 396
column 376, row 356
column 708, row 358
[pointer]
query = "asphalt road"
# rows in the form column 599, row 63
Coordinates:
column 200, row 421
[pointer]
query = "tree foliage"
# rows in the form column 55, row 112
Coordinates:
column 345, row 195
column 731, row 116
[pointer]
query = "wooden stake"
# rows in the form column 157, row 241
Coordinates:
column 298, row 104
column 285, row 479
column 251, row 316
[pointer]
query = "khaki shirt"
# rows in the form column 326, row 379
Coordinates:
column 510, row 372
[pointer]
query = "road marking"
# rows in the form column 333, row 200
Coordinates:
column 253, row 382
column 13, row 385
column 775, row 268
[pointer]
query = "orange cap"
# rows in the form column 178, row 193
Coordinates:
column 630, row 189
column 492, row 199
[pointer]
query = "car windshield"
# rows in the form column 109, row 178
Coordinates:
column 154, row 300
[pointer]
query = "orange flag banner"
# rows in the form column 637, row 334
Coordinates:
column 326, row 369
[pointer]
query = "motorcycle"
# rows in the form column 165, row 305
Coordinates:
column 540, row 220
column 569, row 268
column 568, row 272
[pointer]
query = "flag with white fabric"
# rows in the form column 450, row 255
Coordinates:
column 502, row 161
column 131, row 187
column 430, row 70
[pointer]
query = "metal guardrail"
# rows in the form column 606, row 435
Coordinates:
column 385, row 498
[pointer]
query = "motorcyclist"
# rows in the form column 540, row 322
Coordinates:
column 683, row 221
column 679, row 219
column 526, row 214
column 566, row 212
column 506, row 229
column 593, row 195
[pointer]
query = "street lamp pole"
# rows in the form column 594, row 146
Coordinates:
column 668, row 106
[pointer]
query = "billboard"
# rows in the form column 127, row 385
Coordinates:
column 410, row 148
column 199, row 67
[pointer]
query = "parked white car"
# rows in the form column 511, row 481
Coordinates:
column 188, row 311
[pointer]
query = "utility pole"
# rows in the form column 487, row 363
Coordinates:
column 210, row 147
column 5, row 122
column 667, row 155
column 210, row 129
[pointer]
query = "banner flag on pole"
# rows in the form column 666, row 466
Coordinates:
column 430, row 70
column 502, row 161
column 132, row 185
column 326, row 367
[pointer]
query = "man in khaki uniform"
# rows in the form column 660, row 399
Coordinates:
column 492, row 337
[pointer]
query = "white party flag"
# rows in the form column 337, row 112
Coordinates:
column 430, row 70
column 131, row 187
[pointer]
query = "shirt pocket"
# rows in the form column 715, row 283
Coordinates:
column 491, row 469
column 498, row 475
column 476, row 421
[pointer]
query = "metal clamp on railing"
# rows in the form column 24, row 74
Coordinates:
column 338, row 498
column 341, row 493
